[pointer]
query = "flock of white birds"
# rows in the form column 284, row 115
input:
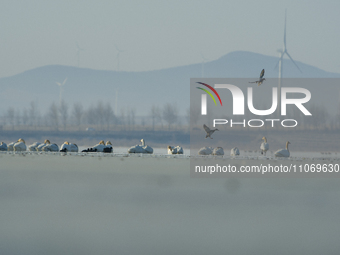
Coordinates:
column 235, row 151
column 46, row 146
column 20, row 145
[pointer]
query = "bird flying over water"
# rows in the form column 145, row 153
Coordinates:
column 260, row 81
column 209, row 131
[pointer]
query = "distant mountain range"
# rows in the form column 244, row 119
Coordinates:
column 139, row 90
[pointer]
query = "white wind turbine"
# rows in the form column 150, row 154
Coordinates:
column 61, row 85
column 282, row 53
column 203, row 62
column 119, row 51
column 78, row 50
column 116, row 103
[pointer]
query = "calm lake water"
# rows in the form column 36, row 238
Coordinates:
column 53, row 204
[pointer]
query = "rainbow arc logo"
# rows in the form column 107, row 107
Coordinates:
column 209, row 93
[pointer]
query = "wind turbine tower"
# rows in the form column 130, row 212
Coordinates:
column 203, row 62
column 280, row 63
column 78, row 50
column 119, row 51
column 116, row 103
column 61, row 85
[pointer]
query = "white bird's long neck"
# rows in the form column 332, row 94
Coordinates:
column 143, row 142
column 287, row 146
column 265, row 140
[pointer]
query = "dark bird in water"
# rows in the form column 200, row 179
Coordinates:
column 209, row 131
column 89, row 150
column 260, row 81
column 107, row 150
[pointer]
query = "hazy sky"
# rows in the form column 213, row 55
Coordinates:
column 161, row 34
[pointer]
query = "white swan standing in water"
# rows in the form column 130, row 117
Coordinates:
column 234, row 151
column 73, row 147
column 218, row 151
column 175, row 150
column 3, row 146
column 20, row 145
column 205, row 151
column 141, row 148
column 283, row 152
column 68, row 147
column 264, row 146
column 42, row 145
column 99, row 147
column 209, row 131
column 50, row 147
column 136, row 149
column 33, row 147
column 147, row 148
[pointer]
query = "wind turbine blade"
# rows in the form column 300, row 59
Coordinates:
column 293, row 61
column 204, row 58
column 78, row 48
column 284, row 35
column 58, row 83
column 64, row 81
column 118, row 49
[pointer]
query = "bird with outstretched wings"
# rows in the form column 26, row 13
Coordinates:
column 209, row 131
column 260, row 81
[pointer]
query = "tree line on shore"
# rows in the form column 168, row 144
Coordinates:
column 100, row 116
